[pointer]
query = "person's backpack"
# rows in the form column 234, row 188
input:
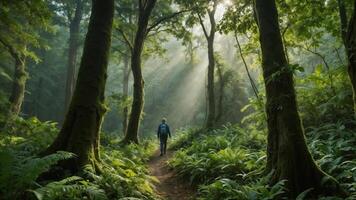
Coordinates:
column 163, row 129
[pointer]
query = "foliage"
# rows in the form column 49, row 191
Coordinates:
column 124, row 174
column 228, row 163
column 73, row 187
column 330, row 132
column 19, row 173
column 334, row 146
column 225, row 153
column 230, row 189
column 19, row 22
column 321, row 103
column 27, row 136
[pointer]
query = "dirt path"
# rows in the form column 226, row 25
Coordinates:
column 169, row 187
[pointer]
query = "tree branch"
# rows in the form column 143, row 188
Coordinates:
column 252, row 82
column 127, row 41
column 157, row 32
column 120, row 51
column 203, row 27
column 165, row 18
column 326, row 65
column 10, row 48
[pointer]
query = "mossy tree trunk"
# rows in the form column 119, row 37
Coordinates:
column 19, row 79
column 288, row 156
column 210, row 122
column 348, row 35
column 145, row 9
column 74, row 34
column 18, row 86
column 80, row 131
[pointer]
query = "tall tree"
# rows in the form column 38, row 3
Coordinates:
column 348, row 35
column 200, row 9
column 145, row 9
column 211, row 66
column 151, row 22
column 288, row 157
column 80, row 131
column 74, row 36
column 125, row 28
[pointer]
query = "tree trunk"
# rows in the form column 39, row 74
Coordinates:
column 74, row 34
column 210, row 122
column 18, row 86
column 288, row 157
column 125, row 90
column 348, row 34
column 351, row 52
column 80, row 131
column 221, row 94
column 131, row 135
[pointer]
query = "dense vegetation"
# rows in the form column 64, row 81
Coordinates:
column 124, row 175
column 260, row 97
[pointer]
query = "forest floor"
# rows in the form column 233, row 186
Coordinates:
column 169, row 186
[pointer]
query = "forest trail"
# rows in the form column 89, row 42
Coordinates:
column 169, row 186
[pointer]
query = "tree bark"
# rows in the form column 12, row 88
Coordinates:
column 343, row 21
column 288, row 157
column 19, row 81
column 145, row 9
column 348, row 35
column 18, row 86
column 74, row 34
column 351, row 52
column 125, row 91
column 80, row 131
column 210, row 122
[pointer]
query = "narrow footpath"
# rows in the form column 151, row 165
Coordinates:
column 169, row 186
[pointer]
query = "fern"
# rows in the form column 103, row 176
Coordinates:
column 70, row 188
column 19, row 173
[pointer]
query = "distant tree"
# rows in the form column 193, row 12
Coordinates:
column 224, row 76
column 288, row 157
column 200, row 9
column 151, row 22
column 124, row 29
column 239, row 20
column 20, row 23
column 80, row 131
column 145, row 9
column 74, row 18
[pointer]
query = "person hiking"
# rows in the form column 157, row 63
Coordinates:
column 162, row 133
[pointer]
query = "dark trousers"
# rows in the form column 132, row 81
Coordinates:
column 163, row 143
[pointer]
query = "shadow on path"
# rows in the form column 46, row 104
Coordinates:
column 169, row 186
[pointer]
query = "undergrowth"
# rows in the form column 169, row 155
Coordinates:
column 124, row 175
column 228, row 163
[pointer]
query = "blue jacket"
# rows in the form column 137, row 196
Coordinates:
column 159, row 130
